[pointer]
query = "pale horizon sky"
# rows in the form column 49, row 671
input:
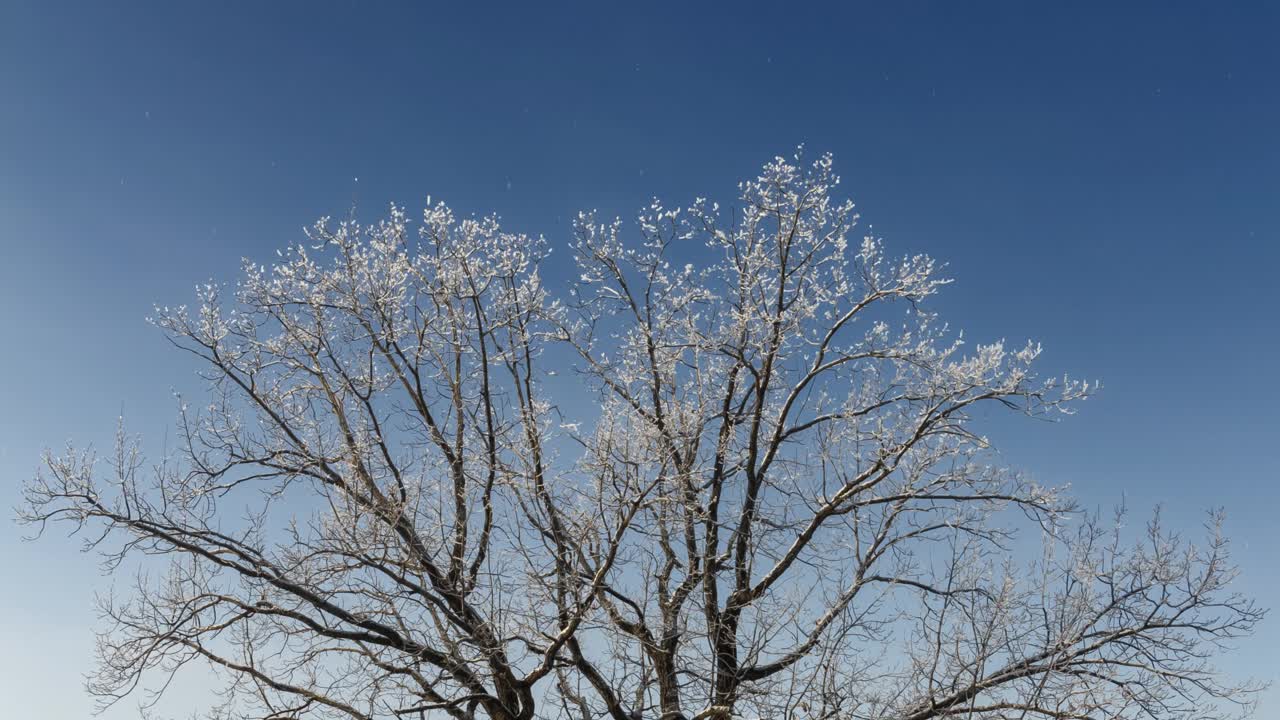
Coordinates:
column 1102, row 179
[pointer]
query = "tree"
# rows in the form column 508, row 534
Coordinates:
column 774, row 500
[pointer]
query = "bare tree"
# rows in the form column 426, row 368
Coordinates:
column 775, row 501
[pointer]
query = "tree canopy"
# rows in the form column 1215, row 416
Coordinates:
column 769, row 495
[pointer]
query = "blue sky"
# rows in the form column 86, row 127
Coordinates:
column 1103, row 179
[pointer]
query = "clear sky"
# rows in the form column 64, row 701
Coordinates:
column 1104, row 179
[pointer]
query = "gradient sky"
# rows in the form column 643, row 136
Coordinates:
column 1105, row 180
